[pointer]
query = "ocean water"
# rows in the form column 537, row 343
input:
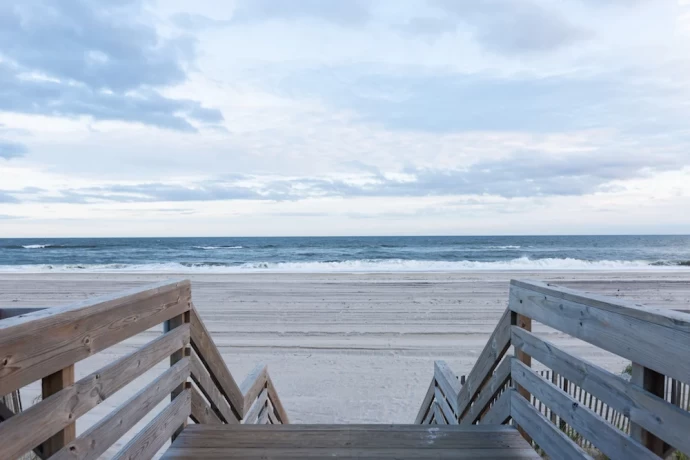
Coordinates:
column 350, row 254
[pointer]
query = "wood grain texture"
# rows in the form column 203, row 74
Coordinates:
column 201, row 411
column 97, row 439
column 446, row 410
column 426, row 403
column 41, row 343
column 499, row 413
column 609, row 440
column 448, row 382
column 42, row 420
column 553, row 441
column 213, row 361
column 492, row 386
column 486, row 363
column 651, row 339
column 256, row 407
column 209, row 389
column 50, row 385
column 253, row 383
column 644, row 408
column 150, row 439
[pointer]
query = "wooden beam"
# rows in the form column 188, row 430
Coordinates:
column 51, row 385
column 178, row 355
column 44, row 342
column 522, row 322
column 644, row 408
column 208, row 388
column 201, row 411
column 654, row 383
column 499, row 413
column 491, row 388
column 448, row 382
column 253, row 384
column 426, row 403
column 256, row 407
column 46, row 418
column 555, row 443
column 97, row 439
column 275, row 400
column 447, row 411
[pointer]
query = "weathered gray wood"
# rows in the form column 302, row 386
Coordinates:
column 275, row 400
column 42, row 420
column 438, row 414
column 178, row 355
column 262, row 419
column 350, row 454
column 609, row 440
column 428, row 419
column 491, row 388
column 425, row 408
column 207, row 386
column 627, row 332
column 253, row 383
column 154, row 435
column 448, row 382
column 41, row 343
column 486, row 363
column 499, row 413
column 201, row 411
column 553, row 441
column 255, row 408
column 97, row 439
column 351, row 436
column 51, row 385
column 646, row 313
column 447, row 411
column 654, row 383
column 212, row 359
column 644, row 408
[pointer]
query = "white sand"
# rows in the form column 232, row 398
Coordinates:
column 345, row 347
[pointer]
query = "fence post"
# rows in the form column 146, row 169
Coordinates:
column 653, row 382
column 169, row 325
column 50, row 385
column 525, row 323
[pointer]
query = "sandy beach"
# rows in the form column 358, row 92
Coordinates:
column 355, row 348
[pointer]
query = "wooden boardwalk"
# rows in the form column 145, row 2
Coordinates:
column 282, row 442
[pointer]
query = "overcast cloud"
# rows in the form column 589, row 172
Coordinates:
column 382, row 116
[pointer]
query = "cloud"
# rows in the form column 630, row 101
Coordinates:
column 97, row 59
column 12, row 149
column 345, row 13
column 501, row 26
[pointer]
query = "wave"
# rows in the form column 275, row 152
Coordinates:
column 361, row 265
column 36, row 246
column 210, row 248
column 50, row 246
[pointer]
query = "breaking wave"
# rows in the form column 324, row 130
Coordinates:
column 361, row 265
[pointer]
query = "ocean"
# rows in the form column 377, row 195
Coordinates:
column 349, row 254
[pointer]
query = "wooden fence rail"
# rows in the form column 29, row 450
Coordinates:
column 45, row 344
column 573, row 408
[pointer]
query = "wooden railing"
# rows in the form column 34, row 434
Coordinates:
column 46, row 344
column 652, row 420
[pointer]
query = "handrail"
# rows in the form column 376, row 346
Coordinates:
column 501, row 388
column 45, row 344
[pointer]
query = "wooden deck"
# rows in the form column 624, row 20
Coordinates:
column 200, row 442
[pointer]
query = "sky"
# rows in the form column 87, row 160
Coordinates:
column 314, row 117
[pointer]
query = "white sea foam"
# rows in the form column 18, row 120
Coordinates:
column 37, row 246
column 210, row 248
column 365, row 265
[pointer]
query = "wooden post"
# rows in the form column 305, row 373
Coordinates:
column 177, row 356
column 525, row 323
column 653, row 382
column 50, row 385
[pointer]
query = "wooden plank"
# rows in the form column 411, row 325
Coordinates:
column 97, row 439
column 553, row 441
column 448, row 413
column 51, row 385
column 609, row 440
column 448, row 382
column 275, row 400
column 661, row 345
column 253, row 383
column 154, row 435
column 42, row 420
column 491, row 388
column 41, row 343
column 499, row 413
column 430, row 414
column 255, row 408
column 351, row 454
column 644, row 408
column 262, row 419
column 486, row 363
column 426, row 403
column 178, row 355
column 654, row 383
column 201, row 411
column 218, row 402
column 351, row 436
column 213, row 361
